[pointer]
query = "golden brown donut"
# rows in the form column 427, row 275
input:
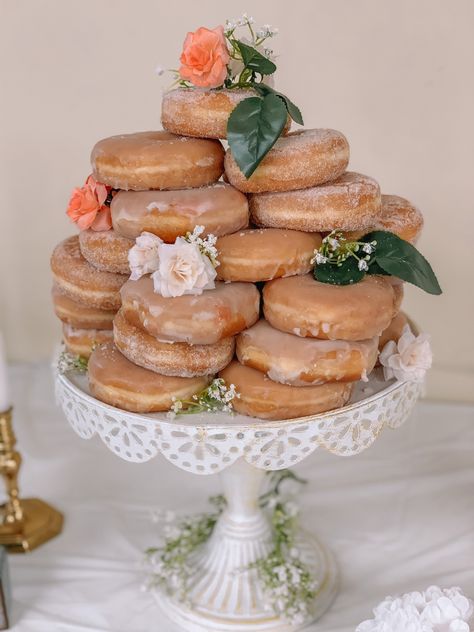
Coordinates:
column 80, row 316
column 106, row 250
column 394, row 330
column 289, row 359
column 177, row 358
column 263, row 254
column 397, row 216
column 116, row 381
column 305, row 307
column 398, row 289
column 220, row 208
column 76, row 278
column 301, row 159
column 202, row 113
column 81, row 342
column 351, row 202
column 261, row 397
column 156, row 160
column 203, row 320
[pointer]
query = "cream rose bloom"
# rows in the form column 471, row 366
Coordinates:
column 182, row 269
column 409, row 359
column 144, row 256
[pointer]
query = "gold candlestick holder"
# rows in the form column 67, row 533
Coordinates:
column 24, row 523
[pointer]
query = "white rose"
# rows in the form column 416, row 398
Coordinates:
column 182, row 269
column 409, row 359
column 143, row 257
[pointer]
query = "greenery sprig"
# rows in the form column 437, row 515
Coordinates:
column 69, row 362
column 216, row 397
column 340, row 261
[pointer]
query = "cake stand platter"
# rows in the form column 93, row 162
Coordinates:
column 225, row 596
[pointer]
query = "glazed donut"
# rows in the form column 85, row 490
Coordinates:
column 397, row 285
column 301, row 159
column 394, row 330
column 289, row 359
column 116, row 381
column 200, row 320
column 220, row 208
column 261, row 397
column 81, row 342
column 351, row 202
column 202, row 113
column 178, row 358
column 156, row 160
column 76, row 278
column 397, row 216
column 263, row 254
column 309, row 308
column 80, row 316
column 106, row 250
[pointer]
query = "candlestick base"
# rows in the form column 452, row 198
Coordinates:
column 40, row 523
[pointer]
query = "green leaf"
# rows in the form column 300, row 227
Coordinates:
column 256, row 61
column 293, row 110
column 399, row 258
column 345, row 274
column 253, row 128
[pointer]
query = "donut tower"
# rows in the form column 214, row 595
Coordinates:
column 185, row 269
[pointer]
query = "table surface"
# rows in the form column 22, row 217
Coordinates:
column 399, row 517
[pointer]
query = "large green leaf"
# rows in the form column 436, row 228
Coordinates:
column 399, row 258
column 345, row 274
column 293, row 110
column 255, row 61
column 253, row 128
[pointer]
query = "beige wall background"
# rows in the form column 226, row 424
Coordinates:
column 396, row 76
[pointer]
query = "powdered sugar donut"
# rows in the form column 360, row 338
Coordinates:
column 220, row 208
column 202, row 113
column 302, row 159
column 156, row 160
column 178, row 358
column 263, row 254
column 116, row 381
column 305, row 307
column 351, row 202
column 289, row 359
column 204, row 319
column 79, row 280
column 81, row 342
column 106, row 250
column 80, row 316
column 263, row 398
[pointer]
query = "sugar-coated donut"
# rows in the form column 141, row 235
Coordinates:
column 398, row 216
column 301, row 159
column 351, row 202
column 202, row 113
column 80, row 316
column 156, row 160
column 204, row 319
column 263, row 398
column 106, row 250
column 81, row 342
column 177, row 358
column 79, row 280
column 220, row 208
column 289, row 359
column 394, row 330
column 305, row 307
column 116, row 381
column 263, row 254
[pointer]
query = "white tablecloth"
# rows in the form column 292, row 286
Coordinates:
column 400, row 517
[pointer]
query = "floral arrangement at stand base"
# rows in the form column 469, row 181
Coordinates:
column 434, row 610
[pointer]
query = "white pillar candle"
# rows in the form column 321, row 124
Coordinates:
column 5, row 402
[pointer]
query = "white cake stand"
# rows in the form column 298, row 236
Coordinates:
column 224, row 597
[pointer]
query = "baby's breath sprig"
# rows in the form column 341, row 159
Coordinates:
column 207, row 246
column 336, row 249
column 216, row 397
column 69, row 362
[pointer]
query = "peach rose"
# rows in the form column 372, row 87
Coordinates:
column 205, row 57
column 87, row 206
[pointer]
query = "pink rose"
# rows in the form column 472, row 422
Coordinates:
column 205, row 57
column 87, row 206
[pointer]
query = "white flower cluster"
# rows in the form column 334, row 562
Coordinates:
column 434, row 610
column 222, row 394
column 243, row 20
column 207, row 246
column 216, row 397
column 407, row 359
column 70, row 362
column 267, row 31
column 335, row 249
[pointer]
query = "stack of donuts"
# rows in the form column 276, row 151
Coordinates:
column 291, row 345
